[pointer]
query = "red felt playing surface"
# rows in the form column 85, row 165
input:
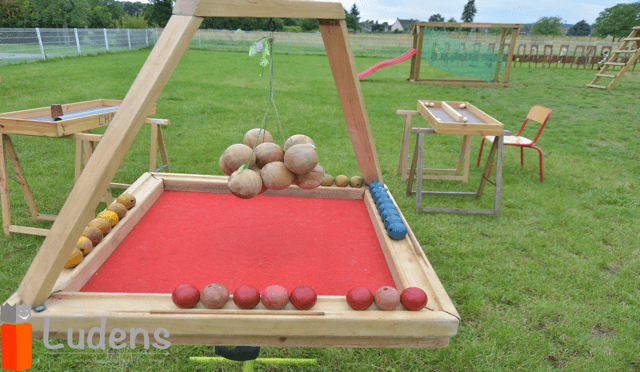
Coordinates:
column 203, row 238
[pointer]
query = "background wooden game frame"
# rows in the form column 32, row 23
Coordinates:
column 330, row 323
column 418, row 38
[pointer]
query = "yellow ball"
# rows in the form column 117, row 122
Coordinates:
column 111, row 216
column 74, row 259
column 85, row 245
column 128, row 200
column 328, row 180
column 342, row 180
column 101, row 223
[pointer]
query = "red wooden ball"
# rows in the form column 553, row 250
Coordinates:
column 387, row 298
column 359, row 298
column 413, row 298
column 303, row 297
column 186, row 296
column 246, row 297
column 275, row 297
column 214, row 296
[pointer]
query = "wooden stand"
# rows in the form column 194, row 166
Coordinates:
column 29, row 122
column 461, row 173
column 416, row 168
column 418, row 38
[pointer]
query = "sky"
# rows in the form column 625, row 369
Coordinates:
column 488, row 11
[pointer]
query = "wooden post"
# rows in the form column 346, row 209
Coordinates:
column 85, row 196
column 512, row 44
column 4, row 187
column 345, row 74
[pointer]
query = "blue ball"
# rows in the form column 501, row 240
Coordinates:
column 391, row 220
column 387, row 213
column 397, row 231
column 383, row 200
column 386, row 207
column 378, row 193
column 375, row 185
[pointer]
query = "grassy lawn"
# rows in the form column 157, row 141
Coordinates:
column 550, row 284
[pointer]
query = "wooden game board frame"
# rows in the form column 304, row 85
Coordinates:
column 418, row 38
column 330, row 323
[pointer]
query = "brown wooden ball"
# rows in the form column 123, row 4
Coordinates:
column 251, row 137
column 245, row 184
column 312, row 180
column 235, row 156
column 223, row 166
column 301, row 159
column 84, row 245
column 94, row 234
column 127, row 200
column 328, row 180
column 118, row 209
column 356, row 181
column 342, row 180
column 268, row 152
column 297, row 139
column 276, row 176
column 102, row 224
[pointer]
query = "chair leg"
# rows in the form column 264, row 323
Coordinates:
column 541, row 173
column 480, row 153
column 521, row 156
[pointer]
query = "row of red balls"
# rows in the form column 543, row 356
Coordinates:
column 275, row 297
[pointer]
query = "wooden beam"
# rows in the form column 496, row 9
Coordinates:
column 260, row 9
column 85, row 196
column 512, row 45
column 469, row 25
column 345, row 75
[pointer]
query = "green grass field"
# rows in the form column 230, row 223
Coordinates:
column 552, row 283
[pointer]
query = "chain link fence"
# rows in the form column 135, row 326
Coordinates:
column 18, row 45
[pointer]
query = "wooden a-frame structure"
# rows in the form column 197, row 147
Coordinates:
column 418, row 38
column 187, row 16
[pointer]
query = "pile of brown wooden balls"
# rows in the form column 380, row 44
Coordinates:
column 270, row 166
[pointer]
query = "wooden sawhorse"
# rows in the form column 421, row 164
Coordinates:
column 85, row 144
column 416, row 168
column 461, row 173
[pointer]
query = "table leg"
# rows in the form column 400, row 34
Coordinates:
column 153, row 148
column 498, row 191
column 163, row 150
column 17, row 168
column 420, row 147
column 78, row 167
column 404, row 148
column 4, row 188
column 489, row 165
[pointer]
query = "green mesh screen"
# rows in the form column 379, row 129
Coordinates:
column 463, row 57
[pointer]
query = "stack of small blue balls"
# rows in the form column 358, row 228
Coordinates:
column 388, row 211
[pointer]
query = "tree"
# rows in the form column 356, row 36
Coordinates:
column 12, row 12
column 291, row 21
column 548, row 26
column 617, row 21
column 355, row 12
column 469, row 11
column 309, row 24
column 352, row 22
column 581, row 28
column 133, row 8
column 436, row 18
column 132, row 21
column 159, row 12
column 451, row 20
column 56, row 13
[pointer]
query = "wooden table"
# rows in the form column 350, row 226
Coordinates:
column 459, row 118
column 76, row 122
column 128, row 278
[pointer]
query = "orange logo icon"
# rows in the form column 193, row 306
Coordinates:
column 15, row 337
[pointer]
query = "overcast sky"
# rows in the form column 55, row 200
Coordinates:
column 496, row 11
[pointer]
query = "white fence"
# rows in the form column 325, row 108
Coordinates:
column 20, row 44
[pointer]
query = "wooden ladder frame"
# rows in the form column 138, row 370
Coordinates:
column 187, row 16
column 634, row 36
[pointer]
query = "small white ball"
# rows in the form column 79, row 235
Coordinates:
column 465, row 119
column 463, row 105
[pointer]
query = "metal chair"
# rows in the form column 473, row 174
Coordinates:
column 539, row 114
